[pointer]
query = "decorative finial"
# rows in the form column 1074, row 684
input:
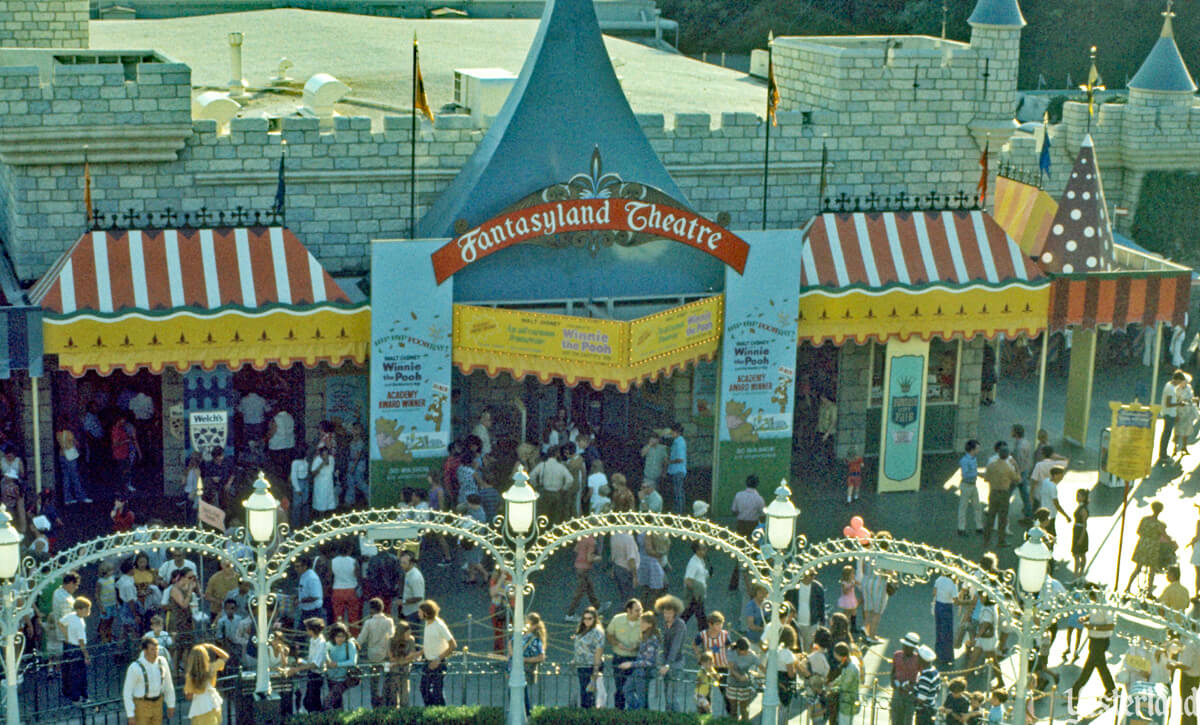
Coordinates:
column 1167, row 14
column 520, row 477
column 261, row 485
column 782, row 492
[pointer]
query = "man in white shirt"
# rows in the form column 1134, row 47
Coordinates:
column 314, row 663
column 374, row 641
column 1100, row 626
column 281, row 440
column 748, row 507
column 695, row 582
column 312, row 596
column 1170, row 408
column 413, row 591
column 555, row 480
column 148, row 686
column 483, row 430
column 62, row 603
column 945, row 593
column 175, row 562
column 253, row 408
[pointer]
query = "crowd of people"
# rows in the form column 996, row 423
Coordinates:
column 361, row 613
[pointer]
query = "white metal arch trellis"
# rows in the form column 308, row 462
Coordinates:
column 911, row 562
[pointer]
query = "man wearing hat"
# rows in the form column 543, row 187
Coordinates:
column 906, row 666
column 929, row 686
column 148, row 686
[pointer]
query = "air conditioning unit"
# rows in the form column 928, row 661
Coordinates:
column 482, row 91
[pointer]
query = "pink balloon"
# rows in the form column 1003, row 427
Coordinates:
column 848, row 532
column 856, row 522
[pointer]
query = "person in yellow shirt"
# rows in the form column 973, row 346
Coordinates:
column 1174, row 595
column 706, row 677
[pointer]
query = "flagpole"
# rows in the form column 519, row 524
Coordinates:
column 412, row 155
column 767, row 143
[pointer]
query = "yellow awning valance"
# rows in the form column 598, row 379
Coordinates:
column 861, row 316
column 581, row 349
column 233, row 338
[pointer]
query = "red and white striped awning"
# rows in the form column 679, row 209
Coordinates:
column 200, row 269
column 877, row 250
column 130, row 300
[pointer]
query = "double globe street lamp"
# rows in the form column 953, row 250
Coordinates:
column 781, row 515
column 520, row 515
column 1033, row 560
column 10, row 564
column 262, row 517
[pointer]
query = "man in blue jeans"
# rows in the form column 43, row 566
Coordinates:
column 677, row 465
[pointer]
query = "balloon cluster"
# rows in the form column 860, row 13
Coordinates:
column 856, row 530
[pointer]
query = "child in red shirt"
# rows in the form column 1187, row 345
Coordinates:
column 854, row 464
column 122, row 517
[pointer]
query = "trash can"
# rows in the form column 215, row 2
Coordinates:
column 1106, row 478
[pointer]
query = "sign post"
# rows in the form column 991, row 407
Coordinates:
column 1130, row 452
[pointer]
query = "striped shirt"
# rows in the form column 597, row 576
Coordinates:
column 717, row 644
column 929, row 687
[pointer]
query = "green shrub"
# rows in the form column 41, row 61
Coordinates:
column 476, row 715
column 460, row 715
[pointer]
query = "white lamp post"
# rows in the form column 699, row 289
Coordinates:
column 10, row 564
column 1033, row 559
column 262, row 513
column 781, row 533
column 520, row 513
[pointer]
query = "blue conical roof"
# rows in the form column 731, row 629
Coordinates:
column 1164, row 69
column 566, row 104
column 999, row 13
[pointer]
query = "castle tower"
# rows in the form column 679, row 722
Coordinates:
column 996, row 39
column 1163, row 79
column 44, row 23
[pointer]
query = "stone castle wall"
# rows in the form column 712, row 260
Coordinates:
column 44, row 23
column 351, row 185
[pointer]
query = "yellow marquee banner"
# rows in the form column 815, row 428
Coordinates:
column 666, row 332
column 574, row 349
column 560, row 337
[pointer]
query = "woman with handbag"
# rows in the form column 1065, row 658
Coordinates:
column 341, row 667
column 1147, row 553
column 204, row 663
column 533, row 652
column 589, row 656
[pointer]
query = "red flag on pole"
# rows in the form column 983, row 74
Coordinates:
column 982, row 187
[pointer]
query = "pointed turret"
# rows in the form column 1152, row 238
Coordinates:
column 1164, row 70
column 997, row 14
column 566, row 104
column 1081, row 238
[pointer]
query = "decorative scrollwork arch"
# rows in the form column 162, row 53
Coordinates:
column 716, row 537
column 35, row 577
column 1117, row 604
column 909, row 557
column 356, row 523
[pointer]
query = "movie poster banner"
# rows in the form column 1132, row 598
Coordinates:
column 411, row 326
column 757, row 376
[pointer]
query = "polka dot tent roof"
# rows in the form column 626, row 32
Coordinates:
column 1080, row 238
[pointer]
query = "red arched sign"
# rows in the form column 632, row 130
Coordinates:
column 640, row 217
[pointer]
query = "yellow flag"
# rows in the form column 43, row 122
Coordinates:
column 420, row 101
column 772, row 92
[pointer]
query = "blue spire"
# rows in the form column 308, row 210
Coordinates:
column 566, row 103
column 1164, row 69
column 997, row 13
